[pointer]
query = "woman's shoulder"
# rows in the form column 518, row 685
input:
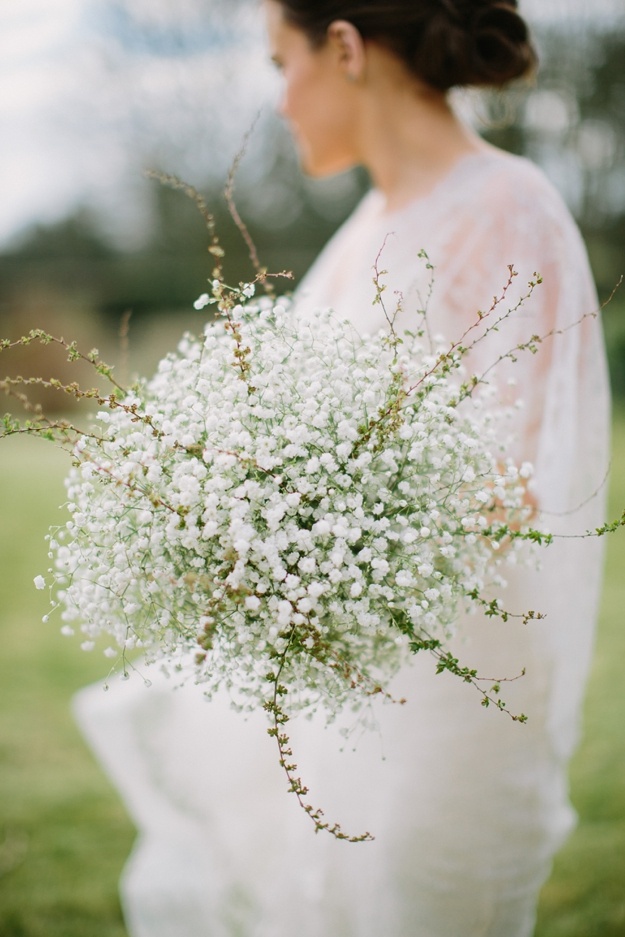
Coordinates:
column 510, row 184
column 511, row 202
column 487, row 189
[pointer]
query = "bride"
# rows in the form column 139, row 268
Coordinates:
column 467, row 808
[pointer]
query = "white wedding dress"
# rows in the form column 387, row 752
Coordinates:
column 467, row 807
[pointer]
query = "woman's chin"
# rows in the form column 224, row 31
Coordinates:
column 318, row 168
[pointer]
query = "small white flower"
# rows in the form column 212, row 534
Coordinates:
column 201, row 302
column 321, row 528
column 40, row 582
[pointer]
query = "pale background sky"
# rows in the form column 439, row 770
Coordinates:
column 86, row 101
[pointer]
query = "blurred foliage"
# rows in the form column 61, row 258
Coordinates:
column 71, row 277
column 573, row 124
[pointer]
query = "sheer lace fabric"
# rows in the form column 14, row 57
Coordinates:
column 467, row 808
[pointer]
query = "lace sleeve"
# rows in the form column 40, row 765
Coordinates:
column 521, row 223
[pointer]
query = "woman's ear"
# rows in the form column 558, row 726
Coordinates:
column 345, row 39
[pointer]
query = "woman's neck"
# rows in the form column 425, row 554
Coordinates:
column 410, row 137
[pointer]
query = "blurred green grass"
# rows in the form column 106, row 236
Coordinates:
column 63, row 834
column 586, row 894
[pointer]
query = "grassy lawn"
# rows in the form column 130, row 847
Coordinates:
column 586, row 894
column 63, row 834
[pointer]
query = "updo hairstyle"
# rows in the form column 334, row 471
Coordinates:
column 445, row 43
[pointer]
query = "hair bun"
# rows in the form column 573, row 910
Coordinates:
column 445, row 43
column 502, row 49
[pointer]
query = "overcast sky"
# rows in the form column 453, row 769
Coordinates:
column 91, row 90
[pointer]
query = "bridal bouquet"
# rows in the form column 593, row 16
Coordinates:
column 287, row 510
column 288, row 499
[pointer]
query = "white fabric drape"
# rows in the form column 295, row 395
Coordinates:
column 467, row 808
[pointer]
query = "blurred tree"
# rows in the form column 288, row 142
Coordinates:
column 572, row 123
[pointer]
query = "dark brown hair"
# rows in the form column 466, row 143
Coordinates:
column 446, row 43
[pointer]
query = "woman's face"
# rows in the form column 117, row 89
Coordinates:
column 317, row 99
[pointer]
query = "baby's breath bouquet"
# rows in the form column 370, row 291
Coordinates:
column 299, row 505
column 287, row 510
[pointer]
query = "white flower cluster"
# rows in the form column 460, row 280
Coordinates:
column 293, row 501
